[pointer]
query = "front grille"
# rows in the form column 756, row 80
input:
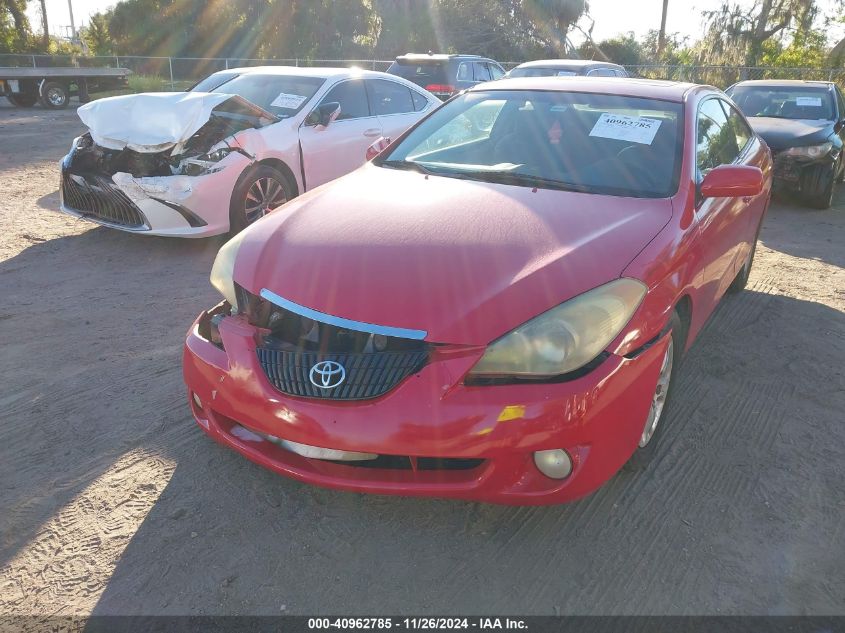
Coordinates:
column 368, row 374
column 403, row 462
column 99, row 197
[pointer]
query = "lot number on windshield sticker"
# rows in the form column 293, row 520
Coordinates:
column 289, row 102
column 626, row 128
column 808, row 101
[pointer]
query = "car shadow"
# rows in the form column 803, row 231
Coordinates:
column 795, row 229
column 733, row 516
column 80, row 351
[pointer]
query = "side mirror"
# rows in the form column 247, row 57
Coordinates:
column 732, row 181
column 323, row 114
column 837, row 127
column 378, row 147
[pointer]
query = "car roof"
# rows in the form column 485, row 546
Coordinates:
column 566, row 63
column 321, row 72
column 775, row 83
column 647, row 88
column 421, row 57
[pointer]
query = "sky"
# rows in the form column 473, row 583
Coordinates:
column 612, row 17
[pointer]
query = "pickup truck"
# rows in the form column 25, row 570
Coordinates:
column 53, row 87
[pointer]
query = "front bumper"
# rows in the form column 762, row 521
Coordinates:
column 597, row 418
column 788, row 171
column 170, row 206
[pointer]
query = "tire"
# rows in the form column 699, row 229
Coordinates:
column 259, row 190
column 23, row 99
column 54, row 95
column 818, row 187
column 653, row 427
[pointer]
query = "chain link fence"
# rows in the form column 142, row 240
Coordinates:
column 177, row 71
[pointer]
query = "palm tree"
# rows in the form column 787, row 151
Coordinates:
column 661, row 38
column 45, row 37
column 562, row 14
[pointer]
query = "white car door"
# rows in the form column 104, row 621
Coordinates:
column 398, row 107
column 331, row 151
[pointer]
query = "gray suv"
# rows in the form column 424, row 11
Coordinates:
column 446, row 75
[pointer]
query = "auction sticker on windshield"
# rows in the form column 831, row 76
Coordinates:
column 289, row 102
column 621, row 127
column 808, row 101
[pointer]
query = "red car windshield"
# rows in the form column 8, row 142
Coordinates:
column 595, row 143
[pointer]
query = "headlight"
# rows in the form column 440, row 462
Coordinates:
column 224, row 268
column 810, row 151
column 565, row 338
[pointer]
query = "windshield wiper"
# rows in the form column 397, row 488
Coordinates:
column 405, row 164
column 528, row 180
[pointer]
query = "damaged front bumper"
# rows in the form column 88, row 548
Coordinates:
column 430, row 434
column 178, row 206
column 790, row 170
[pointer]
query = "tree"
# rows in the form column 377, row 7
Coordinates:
column 45, row 28
column 737, row 34
column 14, row 26
column 622, row 49
column 96, row 35
column 661, row 38
column 561, row 14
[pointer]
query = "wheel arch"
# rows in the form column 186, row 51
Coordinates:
column 282, row 167
column 683, row 307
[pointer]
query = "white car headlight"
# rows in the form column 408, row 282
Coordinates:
column 810, row 151
column 224, row 267
column 565, row 338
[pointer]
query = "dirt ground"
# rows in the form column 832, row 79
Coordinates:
column 113, row 502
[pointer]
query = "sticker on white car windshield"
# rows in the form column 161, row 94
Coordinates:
column 288, row 102
column 626, row 128
column 565, row 73
column 808, row 101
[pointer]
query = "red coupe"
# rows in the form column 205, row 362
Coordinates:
column 496, row 306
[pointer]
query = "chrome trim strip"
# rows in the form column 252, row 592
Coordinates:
column 349, row 324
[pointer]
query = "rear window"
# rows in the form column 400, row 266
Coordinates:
column 784, row 102
column 542, row 72
column 422, row 74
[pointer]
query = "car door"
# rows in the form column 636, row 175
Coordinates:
column 840, row 114
column 331, row 151
column 463, row 76
column 719, row 219
column 496, row 71
column 481, row 72
column 750, row 153
column 394, row 105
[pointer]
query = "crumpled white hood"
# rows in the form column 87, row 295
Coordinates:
column 148, row 122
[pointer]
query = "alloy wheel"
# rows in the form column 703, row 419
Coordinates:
column 264, row 195
column 56, row 97
column 658, row 400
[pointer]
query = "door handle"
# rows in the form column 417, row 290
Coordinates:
column 746, row 199
column 373, row 131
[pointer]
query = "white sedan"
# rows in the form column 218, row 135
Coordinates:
column 237, row 145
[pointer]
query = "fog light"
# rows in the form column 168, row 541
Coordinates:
column 197, row 401
column 553, row 463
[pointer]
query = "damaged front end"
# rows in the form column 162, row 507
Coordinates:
column 159, row 184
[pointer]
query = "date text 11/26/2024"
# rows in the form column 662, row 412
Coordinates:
column 384, row 623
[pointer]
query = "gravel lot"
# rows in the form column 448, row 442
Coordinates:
column 112, row 502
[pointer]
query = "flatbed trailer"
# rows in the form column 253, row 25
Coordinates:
column 53, row 87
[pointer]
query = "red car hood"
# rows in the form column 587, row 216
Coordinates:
column 465, row 261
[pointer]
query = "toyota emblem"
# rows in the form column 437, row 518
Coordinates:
column 327, row 374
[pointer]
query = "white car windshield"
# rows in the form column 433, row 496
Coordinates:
column 282, row 95
column 594, row 143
